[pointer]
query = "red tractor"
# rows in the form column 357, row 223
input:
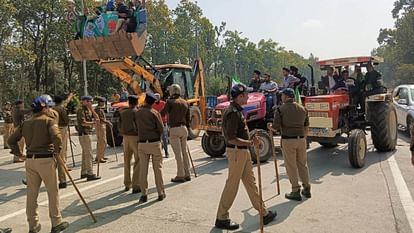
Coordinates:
column 346, row 115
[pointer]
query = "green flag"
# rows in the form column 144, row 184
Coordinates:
column 297, row 96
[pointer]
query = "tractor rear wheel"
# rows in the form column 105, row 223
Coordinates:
column 195, row 118
column 357, row 148
column 383, row 119
column 265, row 149
column 213, row 144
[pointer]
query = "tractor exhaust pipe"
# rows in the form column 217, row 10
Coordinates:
column 312, row 90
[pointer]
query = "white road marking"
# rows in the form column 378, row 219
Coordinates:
column 404, row 193
column 22, row 211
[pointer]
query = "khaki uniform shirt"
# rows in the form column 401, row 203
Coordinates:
column 101, row 114
column 291, row 119
column 178, row 112
column 18, row 116
column 234, row 123
column 149, row 123
column 7, row 115
column 84, row 114
column 63, row 115
column 127, row 124
column 41, row 134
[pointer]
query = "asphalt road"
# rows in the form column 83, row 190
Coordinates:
column 376, row 198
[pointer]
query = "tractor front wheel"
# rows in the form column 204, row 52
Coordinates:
column 213, row 144
column 265, row 148
column 357, row 148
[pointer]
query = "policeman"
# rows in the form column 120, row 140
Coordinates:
column 8, row 124
column 86, row 121
column 63, row 123
column 150, row 130
column 179, row 122
column 18, row 115
column 236, row 135
column 129, row 131
column 292, row 120
column 101, row 130
column 43, row 142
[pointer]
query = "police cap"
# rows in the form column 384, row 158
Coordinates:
column 239, row 89
column 289, row 92
column 150, row 98
column 87, row 97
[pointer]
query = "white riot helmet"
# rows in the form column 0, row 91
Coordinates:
column 175, row 89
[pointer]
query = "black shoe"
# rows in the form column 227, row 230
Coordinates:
column 167, row 155
column 187, row 178
column 62, row 226
column 178, row 180
column 135, row 191
column 24, row 182
column 36, row 229
column 92, row 177
column 306, row 192
column 294, row 196
column 161, row 197
column 63, row 185
column 126, row 189
column 5, row 230
column 83, row 176
column 6, row 148
column 269, row 217
column 143, row 199
column 226, row 224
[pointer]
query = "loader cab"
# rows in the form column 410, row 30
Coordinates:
column 178, row 74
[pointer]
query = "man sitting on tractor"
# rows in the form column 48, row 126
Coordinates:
column 269, row 88
column 289, row 81
column 256, row 82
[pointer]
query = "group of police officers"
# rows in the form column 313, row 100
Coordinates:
column 46, row 133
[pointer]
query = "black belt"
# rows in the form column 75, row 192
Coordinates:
column 237, row 147
column 177, row 125
column 39, row 156
column 292, row 137
column 84, row 134
column 149, row 141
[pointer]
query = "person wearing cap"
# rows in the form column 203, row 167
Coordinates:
column 159, row 106
column 269, row 88
column 129, row 131
column 236, row 136
column 179, row 121
column 150, row 130
column 255, row 83
column 19, row 113
column 101, row 130
column 63, row 123
column 44, row 141
column 86, row 121
column 291, row 119
column 8, row 123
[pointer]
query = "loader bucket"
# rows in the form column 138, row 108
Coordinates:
column 118, row 45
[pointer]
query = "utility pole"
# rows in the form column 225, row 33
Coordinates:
column 196, row 25
column 85, row 79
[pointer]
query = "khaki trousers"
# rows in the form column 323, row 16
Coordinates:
column 101, row 141
column 146, row 150
column 178, row 141
column 8, row 130
column 86, row 144
column 21, row 143
column 295, row 156
column 61, row 170
column 38, row 170
column 240, row 168
column 131, row 148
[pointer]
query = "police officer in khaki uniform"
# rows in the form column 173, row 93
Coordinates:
column 18, row 115
column 179, row 122
column 291, row 119
column 236, row 135
column 101, row 130
column 129, row 131
column 8, row 123
column 43, row 142
column 150, row 130
column 86, row 121
column 63, row 123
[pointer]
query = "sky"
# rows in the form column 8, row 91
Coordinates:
column 326, row 28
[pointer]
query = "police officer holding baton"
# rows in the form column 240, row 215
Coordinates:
column 236, row 135
column 292, row 120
